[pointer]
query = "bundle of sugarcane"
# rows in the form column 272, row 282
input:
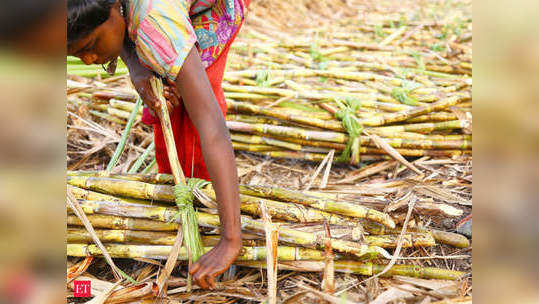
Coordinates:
column 133, row 215
column 309, row 132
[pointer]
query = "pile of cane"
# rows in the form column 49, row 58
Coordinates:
column 134, row 214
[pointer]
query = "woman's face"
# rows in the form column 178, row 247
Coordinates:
column 104, row 43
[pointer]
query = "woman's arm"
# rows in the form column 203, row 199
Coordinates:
column 203, row 109
column 200, row 102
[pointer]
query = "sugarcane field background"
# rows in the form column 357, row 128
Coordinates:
column 352, row 128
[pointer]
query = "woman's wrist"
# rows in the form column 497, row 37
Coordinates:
column 231, row 235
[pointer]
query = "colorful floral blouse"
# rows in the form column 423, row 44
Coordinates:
column 164, row 31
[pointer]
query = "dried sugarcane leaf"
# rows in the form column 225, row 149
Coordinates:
column 394, row 153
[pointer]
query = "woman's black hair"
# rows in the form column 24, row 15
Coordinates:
column 84, row 16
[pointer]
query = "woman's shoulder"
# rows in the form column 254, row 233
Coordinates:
column 160, row 10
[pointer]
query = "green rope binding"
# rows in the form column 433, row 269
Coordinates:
column 184, row 200
column 184, row 193
column 184, row 196
column 346, row 114
column 401, row 94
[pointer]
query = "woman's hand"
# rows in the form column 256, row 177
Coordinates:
column 215, row 262
column 140, row 77
column 141, row 81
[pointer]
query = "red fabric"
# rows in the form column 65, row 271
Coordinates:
column 185, row 134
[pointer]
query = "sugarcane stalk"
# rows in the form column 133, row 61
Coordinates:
column 419, row 272
column 294, row 108
column 317, row 157
column 421, row 127
column 355, row 76
column 93, row 105
column 364, row 268
column 376, row 105
column 248, row 96
column 121, row 113
column 125, row 188
column 244, row 107
column 305, row 108
column 433, row 73
column 261, row 148
column 84, row 194
column 418, row 136
column 419, row 152
column 432, row 117
column 124, row 105
column 131, row 97
column 425, row 142
column 253, row 139
column 179, row 178
column 151, row 178
column 311, row 143
column 125, row 135
column 108, row 117
column 251, row 119
column 330, row 206
column 404, row 115
column 76, row 235
column 145, row 237
column 282, row 131
column 118, row 222
column 238, row 146
column 417, row 239
column 442, row 237
column 449, row 238
column 160, row 252
column 421, row 144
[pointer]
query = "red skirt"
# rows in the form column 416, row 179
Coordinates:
column 185, row 134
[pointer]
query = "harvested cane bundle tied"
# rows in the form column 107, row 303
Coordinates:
column 289, row 131
column 134, row 217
